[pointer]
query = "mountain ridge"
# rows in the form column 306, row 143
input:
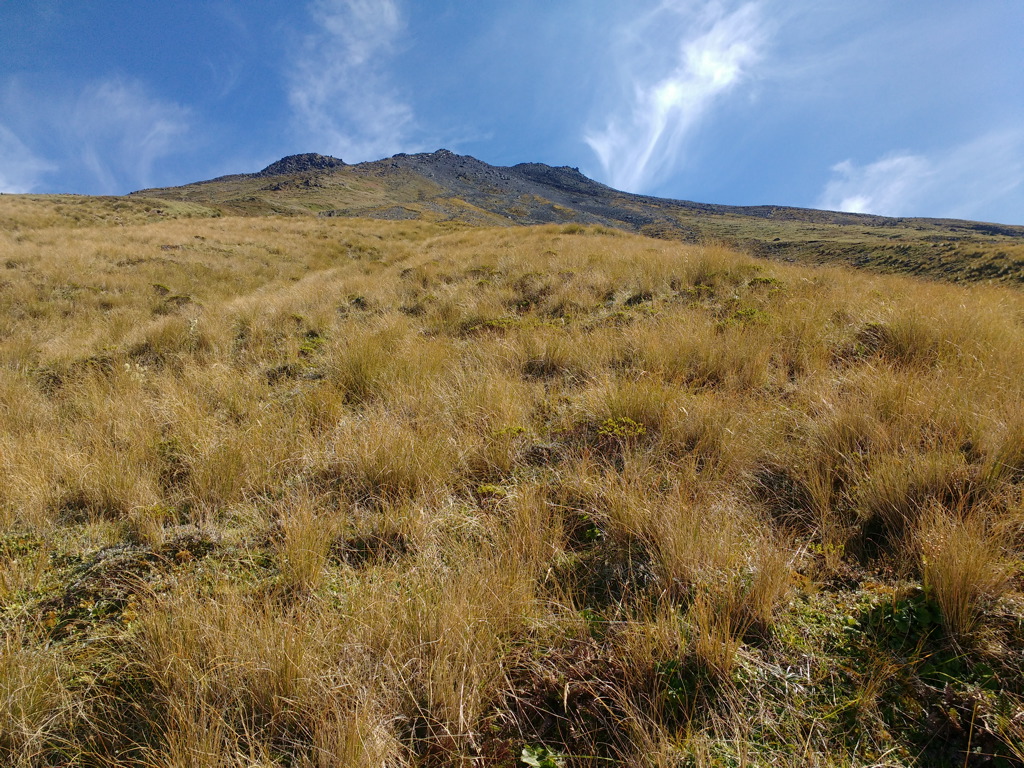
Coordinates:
column 571, row 179
column 446, row 186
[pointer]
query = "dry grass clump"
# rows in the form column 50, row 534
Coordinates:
column 388, row 463
column 326, row 492
column 964, row 566
column 33, row 698
column 253, row 677
column 307, row 535
column 1006, row 450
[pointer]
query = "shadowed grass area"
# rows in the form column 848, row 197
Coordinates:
column 315, row 492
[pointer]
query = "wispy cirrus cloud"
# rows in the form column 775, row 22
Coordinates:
column 20, row 169
column 710, row 50
column 342, row 97
column 118, row 131
column 983, row 175
column 106, row 137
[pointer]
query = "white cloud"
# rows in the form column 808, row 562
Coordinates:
column 118, row 132
column 20, row 169
column 103, row 137
column 342, row 97
column 710, row 51
column 888, row 185
column 986, row 174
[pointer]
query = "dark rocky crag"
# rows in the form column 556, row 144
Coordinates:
column 304, row 163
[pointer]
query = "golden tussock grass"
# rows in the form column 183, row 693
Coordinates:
column 327, row 492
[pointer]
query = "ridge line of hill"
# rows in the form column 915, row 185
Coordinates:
column 445, row 186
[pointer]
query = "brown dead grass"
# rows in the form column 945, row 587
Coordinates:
column 421, row 463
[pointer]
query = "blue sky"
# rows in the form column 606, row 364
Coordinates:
column 905, row 108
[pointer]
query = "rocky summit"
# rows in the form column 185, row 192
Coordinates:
column 309, row 161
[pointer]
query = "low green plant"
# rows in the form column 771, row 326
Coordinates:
column 680, row 684
column 541, row 757
column 491, row 491
column 311, row 342
column 904, row 620
column 748, row 315
column 622, row 428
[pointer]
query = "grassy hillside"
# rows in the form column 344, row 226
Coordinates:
column 299, row 491
column 443, row 186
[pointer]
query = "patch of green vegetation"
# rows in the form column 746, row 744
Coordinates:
column 541, row 757
column 621, row 428
column 748, row 315
column 681, row 685
column 14, row 544
column 311, row 343
column 491, row 491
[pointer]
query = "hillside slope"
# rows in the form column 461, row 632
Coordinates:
column 443, row 186
column 299, row 491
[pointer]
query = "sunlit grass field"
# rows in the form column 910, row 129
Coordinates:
column 331, row 492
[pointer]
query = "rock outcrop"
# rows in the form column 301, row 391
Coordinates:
column 310, row 161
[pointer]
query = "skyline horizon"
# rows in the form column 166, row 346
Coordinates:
column 902, row 111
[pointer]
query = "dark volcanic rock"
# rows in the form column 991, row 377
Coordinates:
column 564, row 178
column 301, row 164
